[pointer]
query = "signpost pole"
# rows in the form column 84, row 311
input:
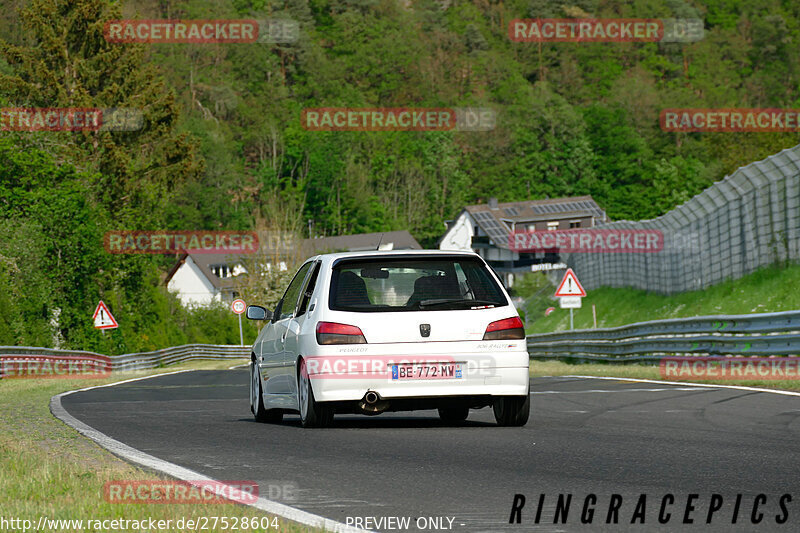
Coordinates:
column 571, row 326
column 238, row 306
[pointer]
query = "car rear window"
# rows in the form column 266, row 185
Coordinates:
column 413, row 284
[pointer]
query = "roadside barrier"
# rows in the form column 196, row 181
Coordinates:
column 761, row 334
column 132, row 361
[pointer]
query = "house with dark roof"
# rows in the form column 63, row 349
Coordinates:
column 486, row 230
column 202, row 278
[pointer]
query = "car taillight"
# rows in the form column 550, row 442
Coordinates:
column 334, row 333
column 506, row 329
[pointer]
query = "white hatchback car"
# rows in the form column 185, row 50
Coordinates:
column 369, row 332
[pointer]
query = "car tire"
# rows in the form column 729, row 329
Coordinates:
column 453, row 415
column 260, row 413
column 512, row 410
column 313, row 414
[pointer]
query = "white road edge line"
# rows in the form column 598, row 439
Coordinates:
column 669, row 389
column 234, row 367
column 689, row 384
column 178, row 472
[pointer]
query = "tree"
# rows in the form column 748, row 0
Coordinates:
column 72, row 65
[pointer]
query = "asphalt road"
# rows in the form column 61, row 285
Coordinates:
column 640, row 441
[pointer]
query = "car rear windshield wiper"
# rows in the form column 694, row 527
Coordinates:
column 434, row 302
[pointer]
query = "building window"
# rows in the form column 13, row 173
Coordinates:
column 221, row 271
column 552, row 226
column 531, row 227
column 574, row 224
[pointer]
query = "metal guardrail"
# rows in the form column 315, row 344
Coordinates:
column 755, row 334
column 136, row 361
column 744, row 335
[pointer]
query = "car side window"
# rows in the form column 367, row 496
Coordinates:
column 309, row 290
column 290, row 297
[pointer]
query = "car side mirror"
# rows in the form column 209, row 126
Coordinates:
column 256, row 312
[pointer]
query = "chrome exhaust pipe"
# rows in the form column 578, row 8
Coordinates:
column 371, row 404
column 371, row 397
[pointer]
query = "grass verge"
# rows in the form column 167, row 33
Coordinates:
column 762, row 291
column 643, row 371
column 49, row 470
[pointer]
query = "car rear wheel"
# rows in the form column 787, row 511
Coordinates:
column 512, row 410
column 260, row 413
column 312, row 413
column 453, row 415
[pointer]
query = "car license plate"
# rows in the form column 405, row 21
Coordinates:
column 409, row 371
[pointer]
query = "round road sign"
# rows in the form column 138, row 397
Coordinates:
column 238, row 306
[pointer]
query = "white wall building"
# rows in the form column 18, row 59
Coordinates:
column 486, row 229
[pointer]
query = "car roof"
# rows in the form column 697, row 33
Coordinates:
column 389, row 253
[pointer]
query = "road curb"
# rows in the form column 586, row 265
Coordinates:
column 150, row 462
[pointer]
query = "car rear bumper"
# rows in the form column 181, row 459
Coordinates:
column 478, row 379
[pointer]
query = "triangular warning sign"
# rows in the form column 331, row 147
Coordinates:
column 570, row 286
column 103, row 319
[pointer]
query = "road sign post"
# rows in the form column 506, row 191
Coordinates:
column 238, row 306
column 569, row 293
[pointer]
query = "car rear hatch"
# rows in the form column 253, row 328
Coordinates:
column 426, row 326
column 419, row 299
